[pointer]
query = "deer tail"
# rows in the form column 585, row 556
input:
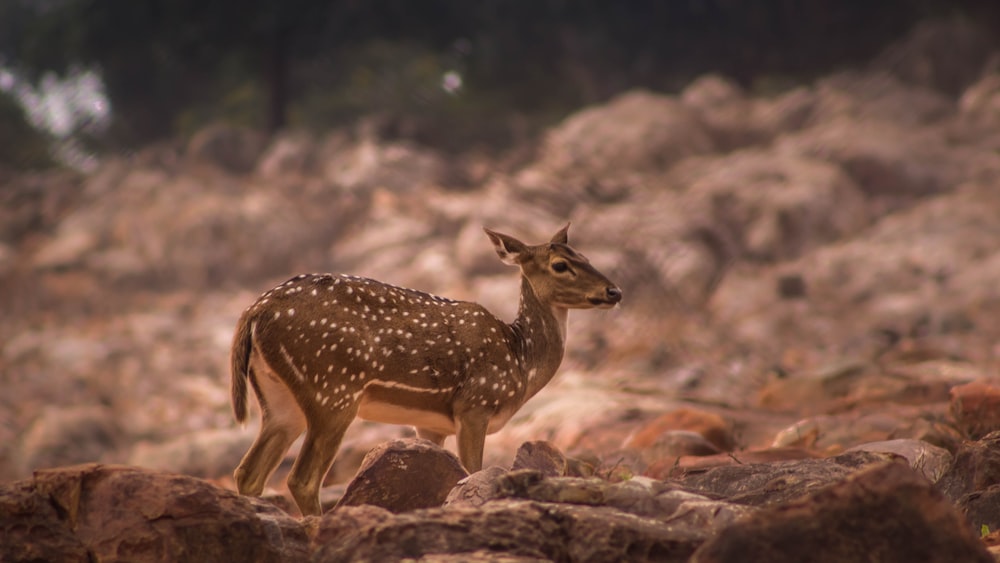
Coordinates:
column 240, row 366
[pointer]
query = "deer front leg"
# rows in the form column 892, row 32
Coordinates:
column 471, row 439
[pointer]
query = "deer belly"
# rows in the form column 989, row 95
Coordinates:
column 379, row 411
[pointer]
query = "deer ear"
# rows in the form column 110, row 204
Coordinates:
column 509, row 249
column 562, row 237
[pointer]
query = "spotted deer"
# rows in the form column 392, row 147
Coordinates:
column 322, row 349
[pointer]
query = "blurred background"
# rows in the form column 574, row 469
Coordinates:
column 798, row 199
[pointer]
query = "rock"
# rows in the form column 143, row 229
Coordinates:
column 982, row 508
column 287, row 154
column 712, row 427
column 234, row 149
column 34, row 529
column 726, row 111
column 540, row 456
column 928, row 460
column 208, row 454
column 976, row 467
column 975, row 406
column 397, row 167
column 883, row 159
column 900, row 277
column 532, row 485
column 35, row 202
column 768, row 484
column 640, row 496
column 946, row 54
column 880, row 96
column 771, row 205
column 478, row 488
column 362, row 437
column 883, row 513
column 815, row 390
column 404, row 475
column 668, row 467
column 119, row 513
column 635, row 131
column 979, row 112
column 339, row 532
column 67, row 436
column 979, row 105
column 675, row 443
column 933, row 431
column 839, row 431
column 786, row 112
column 513, row 528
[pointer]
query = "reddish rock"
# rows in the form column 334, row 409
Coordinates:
column 635, row 131
column 768, row 484
column 67, row 436
column 726, row 111
column 667, row 468
column 477, row 488
column 231, row 148
column 926, row 459
column 209, row 454
column 34, row 528
column 680, row 443
column 885, row 513
column 946, row 54
column 506, row 530
column 772, row 206
column 976, row 408
column 833, row 433
column 711, row 426
column 337, row 534
column 982, row 508
column 540, row 456
column 404, row 475
column 933, row 431
column 976, row 467
column 117, row 513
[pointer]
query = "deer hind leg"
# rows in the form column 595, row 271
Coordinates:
column 431, row 435
column 323, row 437
column 282, row 422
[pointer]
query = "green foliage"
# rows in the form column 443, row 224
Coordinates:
column 984, row 531
column 22, row 147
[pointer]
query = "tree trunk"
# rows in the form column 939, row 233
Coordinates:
column 276, row 77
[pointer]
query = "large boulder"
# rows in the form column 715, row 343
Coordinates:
column 768, row 484
column 924, row 271
column 404, row 475
column 67, row 436
column 885, row 513
column 229, row 147
column 946, row 54
column 117, row 513
column 636, row 131
column 515, row 529
column 772, row 206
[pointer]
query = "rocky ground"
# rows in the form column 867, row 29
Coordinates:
column 805, row 361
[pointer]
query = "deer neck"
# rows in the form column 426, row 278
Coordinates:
column 539, row 338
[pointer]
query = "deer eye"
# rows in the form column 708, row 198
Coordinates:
column 560, row 267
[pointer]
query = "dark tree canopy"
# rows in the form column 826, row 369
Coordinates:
column 170, row 65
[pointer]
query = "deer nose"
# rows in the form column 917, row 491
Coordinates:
column 614, row 294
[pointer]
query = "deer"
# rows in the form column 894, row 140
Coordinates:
column 320, row 350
